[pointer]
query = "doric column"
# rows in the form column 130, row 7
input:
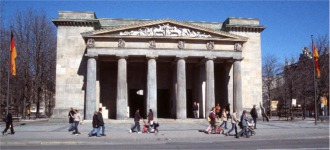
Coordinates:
column 230, row 87
column 181, row 102
column 152, row 86
column 209, row 95
column 238, row 104
column 122, row 89
column 91, row 88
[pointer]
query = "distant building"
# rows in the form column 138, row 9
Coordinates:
column 164, row 65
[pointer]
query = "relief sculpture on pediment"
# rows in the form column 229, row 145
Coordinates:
column 165, row 30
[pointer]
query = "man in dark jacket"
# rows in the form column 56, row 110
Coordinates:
column 71, row 119
column 95, row 124
column 9, row 122
column 137, row 118
column 254, row 115
column 100, row 123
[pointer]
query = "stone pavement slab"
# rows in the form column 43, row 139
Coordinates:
column 43, row 132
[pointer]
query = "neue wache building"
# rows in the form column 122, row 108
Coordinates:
column 164, row 65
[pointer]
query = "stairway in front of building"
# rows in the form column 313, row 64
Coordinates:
column 105, row 111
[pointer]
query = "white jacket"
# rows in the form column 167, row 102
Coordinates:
column 77, row 117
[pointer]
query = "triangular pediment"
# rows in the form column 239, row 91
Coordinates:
column 166, row 28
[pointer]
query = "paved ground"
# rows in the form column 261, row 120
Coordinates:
column 176, row 132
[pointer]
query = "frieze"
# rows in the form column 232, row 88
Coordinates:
column 152, row 44
column 165, row 30
column 238, row 47
column 210, row 45
column 121, row 43
column 91, row 43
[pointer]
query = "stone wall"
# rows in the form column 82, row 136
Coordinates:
column 70, row 70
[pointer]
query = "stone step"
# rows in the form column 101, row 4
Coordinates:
column 105, row 111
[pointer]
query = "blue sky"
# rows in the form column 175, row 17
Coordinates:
column 289, row 24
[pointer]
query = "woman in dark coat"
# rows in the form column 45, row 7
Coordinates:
column 94, row 124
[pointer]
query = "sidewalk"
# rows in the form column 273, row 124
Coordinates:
column 41, row 132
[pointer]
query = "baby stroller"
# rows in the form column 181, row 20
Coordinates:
column 250, row 128
column 151, row 127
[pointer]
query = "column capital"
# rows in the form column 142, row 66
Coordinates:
column 92, row 56
column 151, row 56
column 238, row 59
column 122, row 56
column 210, row 57
column 180, row 57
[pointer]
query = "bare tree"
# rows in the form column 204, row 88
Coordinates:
column 35, row 40
column 270, row 71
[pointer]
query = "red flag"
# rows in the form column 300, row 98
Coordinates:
column 316, row 60
column 13, row 55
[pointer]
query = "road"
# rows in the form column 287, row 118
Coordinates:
column 235, row 144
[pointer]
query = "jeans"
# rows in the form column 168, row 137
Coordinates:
column 325, row 108
column 70, row 126
column 242, row 132
column 137, row 125
column 233, row 126
column 76, row 123
column 224, row 122
column 98, row 130
column 91, row 133
column 255, row 122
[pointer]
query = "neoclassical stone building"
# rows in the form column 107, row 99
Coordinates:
column 164, row 65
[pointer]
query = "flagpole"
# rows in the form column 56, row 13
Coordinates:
column 315, row 104
column 8, row 82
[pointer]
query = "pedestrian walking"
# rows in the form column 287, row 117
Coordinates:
column 195, row 110
column 77, row 119
column 94, row 124
column 224, row 118
column 211, row 119
column 244, row 120
column 100, row 123
column 9, row 123
column 234, row 121
column 71, row 119
column 254, row 116
column 28, row 112
column 137, row 118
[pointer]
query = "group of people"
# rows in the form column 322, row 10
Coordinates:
column 137, row 118
column 224, row 115
column 75, row 119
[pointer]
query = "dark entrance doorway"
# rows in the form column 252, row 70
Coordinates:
column 136, row 101
column 163, row 103
column 189, row 104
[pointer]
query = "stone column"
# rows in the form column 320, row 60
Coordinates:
column 91, row 88
column 238, row 103
column 229, row 70
column 152, row 86
column 209, row 96
column 181, row 100
column 122, row 89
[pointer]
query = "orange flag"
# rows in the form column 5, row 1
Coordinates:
column 316, row 60
column 13, row 55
